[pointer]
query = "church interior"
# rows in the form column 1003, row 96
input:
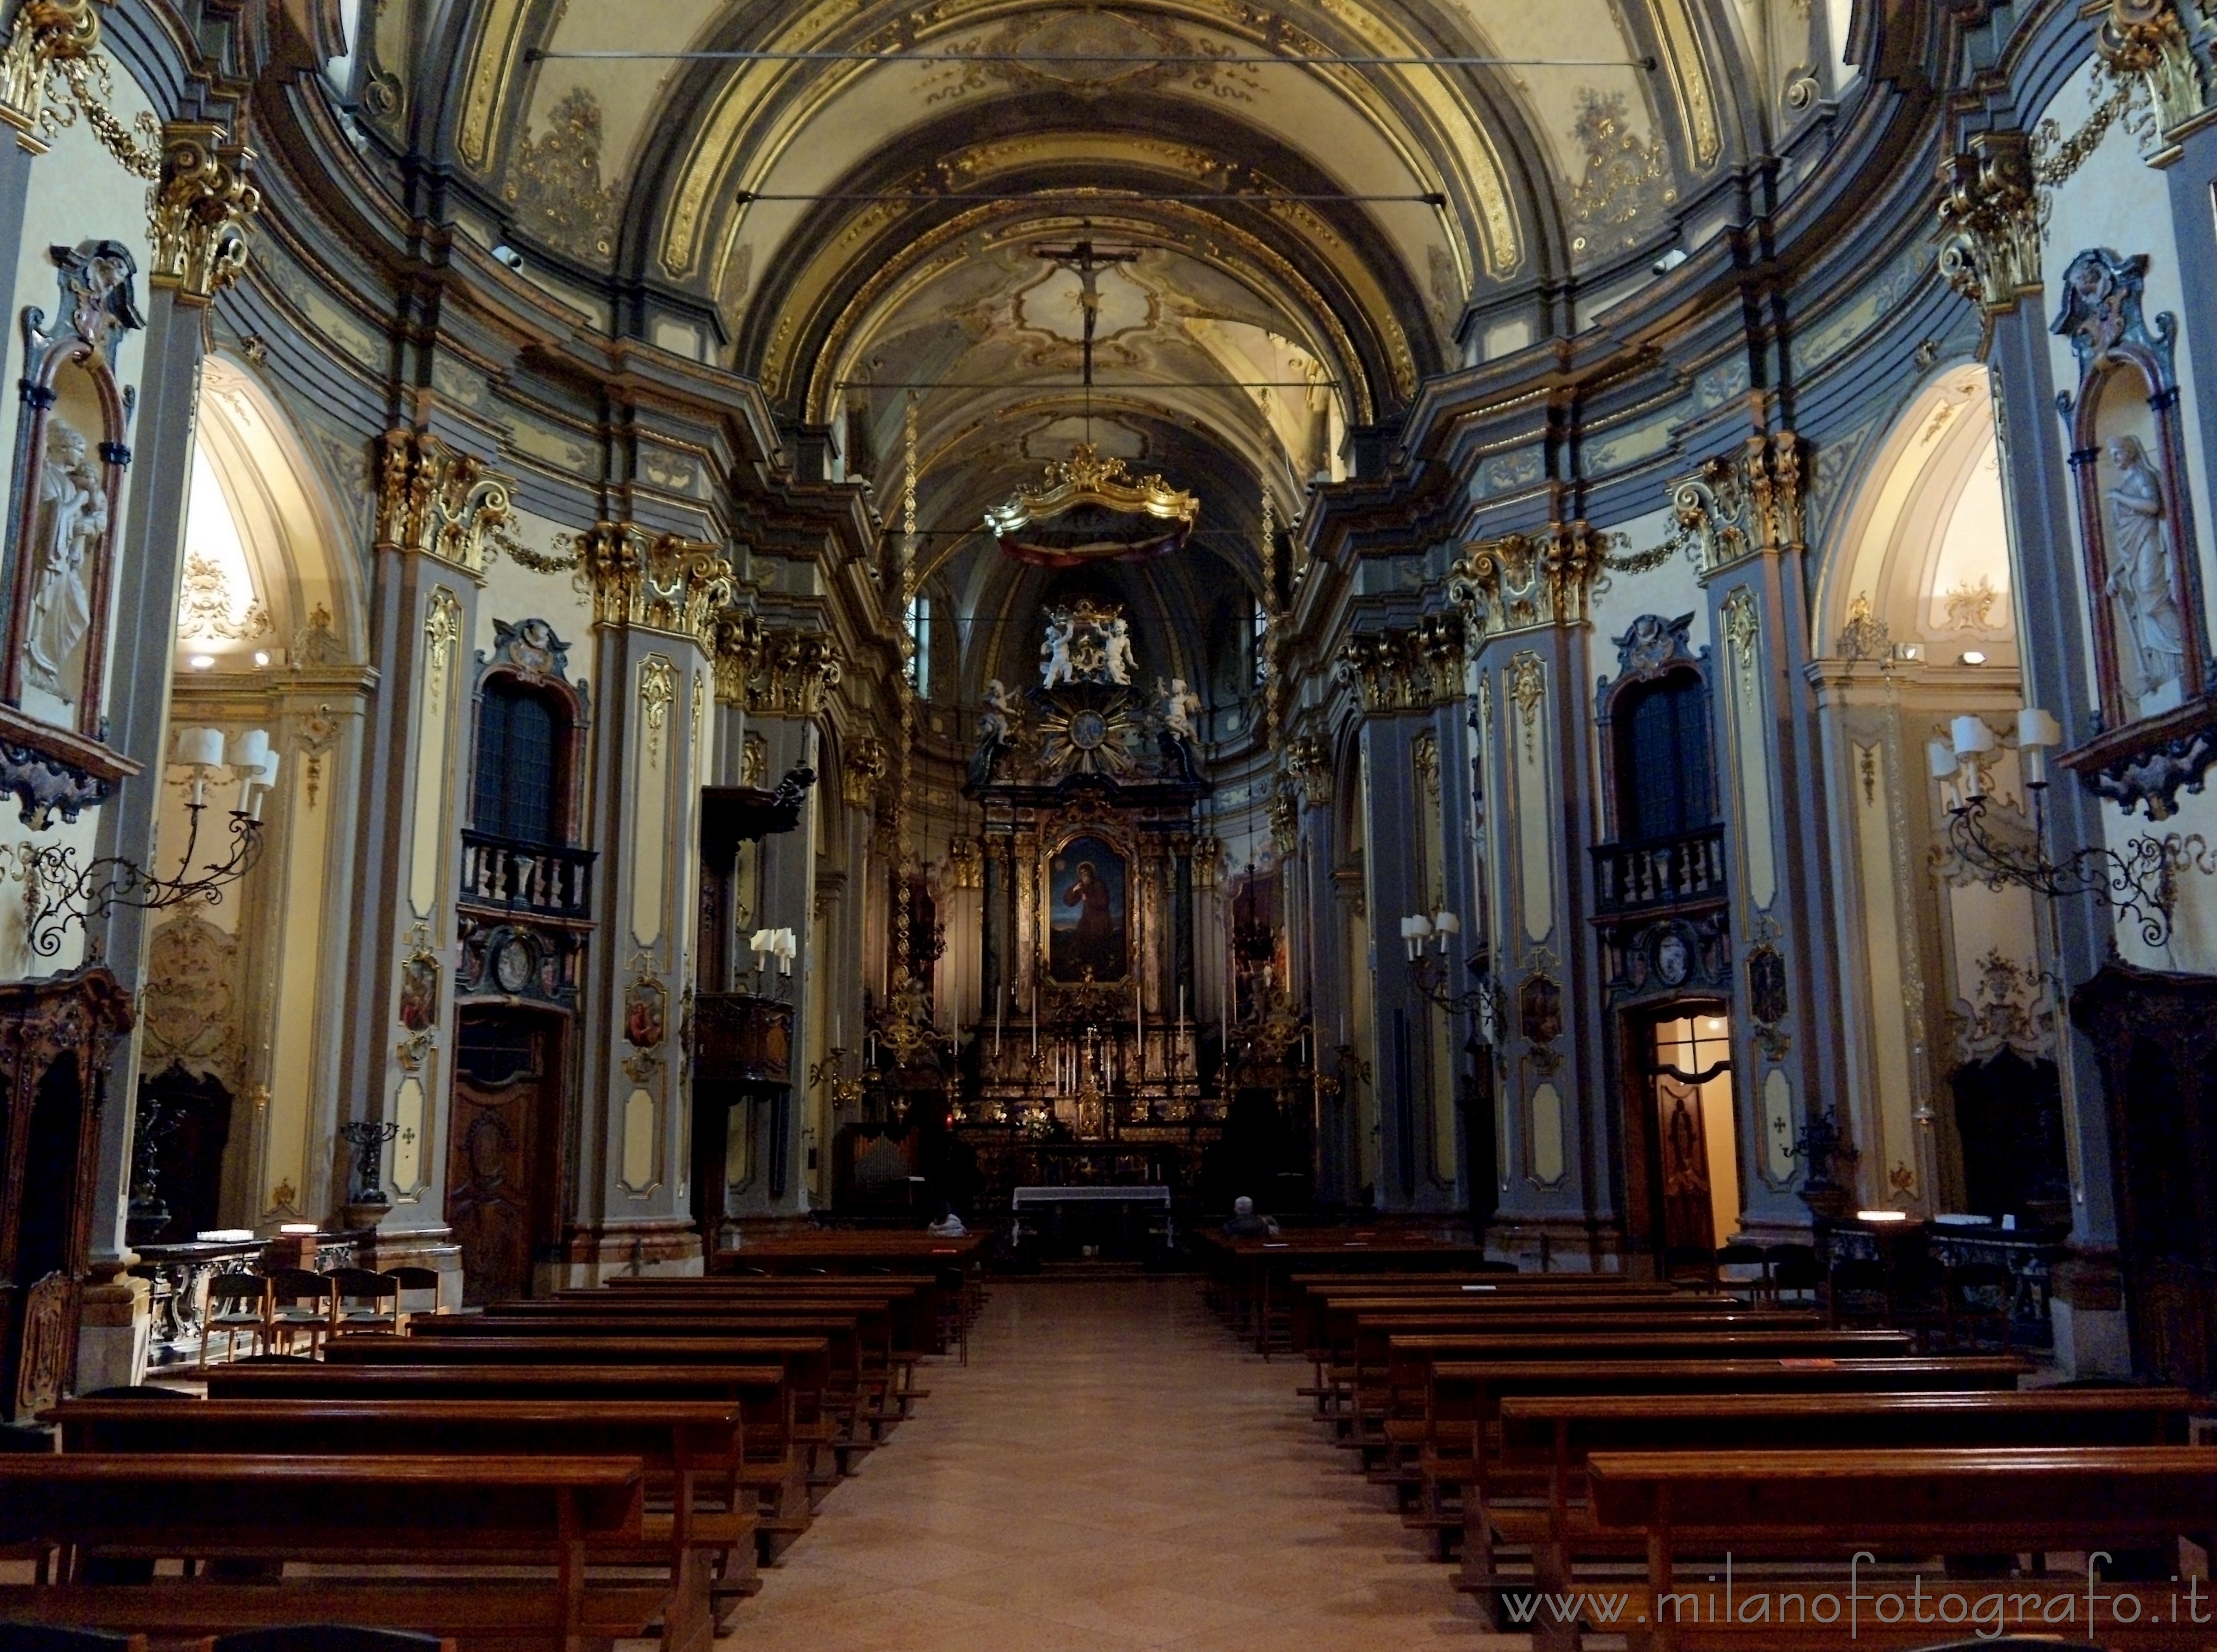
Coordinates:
column 1107, row 823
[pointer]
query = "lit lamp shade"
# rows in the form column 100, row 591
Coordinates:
column 1416, row 930
column 200, row 747
column 252, row 754
column 2037, row 727
column 1939, row 757
column 1446, row 923
column 1971, row 736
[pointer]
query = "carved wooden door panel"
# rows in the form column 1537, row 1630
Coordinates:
column 504, row 1097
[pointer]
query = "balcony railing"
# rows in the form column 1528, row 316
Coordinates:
column 507, row 876
column 1660, row 874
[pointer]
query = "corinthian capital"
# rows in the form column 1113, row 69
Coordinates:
column 197, row 212
column 1989, row 221
column 662, row 584
column 44, row 33
column 442, row 503
column 1521, row 581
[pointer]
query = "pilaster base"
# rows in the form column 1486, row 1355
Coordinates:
column 664, row 1245
column 114, row 1332
column 1557, row 1244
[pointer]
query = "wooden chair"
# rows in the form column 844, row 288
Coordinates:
column 364, row 1303
column 1857, row 1294
column 330, row 1637
column 1756, row 1288
column 299, row 1301
column 1694, row 1263
column 49, row 1637
column 411, row 1280
column 236, row 1303
column 1979, row 1294
column 1793, row 1268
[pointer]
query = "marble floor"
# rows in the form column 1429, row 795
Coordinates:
column 1111, row 1471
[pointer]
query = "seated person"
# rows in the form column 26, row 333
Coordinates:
column 1246, row 1223
column 948, row 1225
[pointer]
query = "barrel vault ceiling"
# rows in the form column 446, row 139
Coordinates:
column 1349, row 212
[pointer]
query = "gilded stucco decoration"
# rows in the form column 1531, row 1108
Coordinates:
column 790, row 673
column 1989, row 221
column 1405, row 670
column 554, row 179
column 51, row 70
column 191, row 1001
column 1308, row 762
column 197, row 212
column 2150, row 41
column 1522, row 581
column 442, row 503
column 1106, row 53
column 863, row 771
column 207, row 607
column 1527, row 692
column 1745, row 504
column 658, row 692
column 1626, row 187
column 664, row 582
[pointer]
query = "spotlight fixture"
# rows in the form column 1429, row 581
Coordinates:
column 508, row 257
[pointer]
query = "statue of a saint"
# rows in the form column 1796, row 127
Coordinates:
column 72, row 517
column 997, row 719
column 2140, row 581
column 1055, row 650
column 1119, row 661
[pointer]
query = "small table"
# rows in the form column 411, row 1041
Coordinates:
column 1153, row 1195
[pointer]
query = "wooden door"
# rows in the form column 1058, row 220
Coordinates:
column 499, row 1165
column 1683, row 1144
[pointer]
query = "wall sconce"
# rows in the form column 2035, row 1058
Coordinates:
column 62, row 894
column 780, row 945
column 2137, row 882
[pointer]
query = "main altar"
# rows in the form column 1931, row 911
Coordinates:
column 1093, row 1061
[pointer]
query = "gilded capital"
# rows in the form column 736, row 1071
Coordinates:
column 864, row 772
column 735, row 645
column 44, row 33
column 1308, row 763
column 790, row 672
column 1524, row 582
column 434, row 500
column 1744, row 504
column 664, row 582
column 1989, row 221
column 2150, row 39
column 197, row 211
column 1406, row 670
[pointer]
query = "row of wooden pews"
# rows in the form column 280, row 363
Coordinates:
column 561, row 1473
column 1600, row 1457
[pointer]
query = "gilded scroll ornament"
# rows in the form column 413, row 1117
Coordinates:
column 442, row 503
column 658, row 691
column 1524, row 582
column 1747, row 504
column 863, row 773
column 1406, row 670
column 47, row 32
column 658, row 583
column 197, row 210
column 2150, row 39
column 1989, row 221
column 1527, row 691
column 789, row 672
column 1626, row 187
column 1308, row 762
column 554, row 179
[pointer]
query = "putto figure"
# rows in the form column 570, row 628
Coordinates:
column 1055, row 651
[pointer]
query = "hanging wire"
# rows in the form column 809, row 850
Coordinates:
column 1076, row 60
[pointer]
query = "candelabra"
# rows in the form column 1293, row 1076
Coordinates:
column 2138, row 882
column 60, row 894
column 367, row 1137
column 1429, row 975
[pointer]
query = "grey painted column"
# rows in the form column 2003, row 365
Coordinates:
column 2088, row 1309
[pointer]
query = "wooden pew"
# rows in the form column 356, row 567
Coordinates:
column 1248, row 1276
column 849, row 1387
column 1530, row 1493
column 775, row 1470
column 916, row 1302
column 1314, row 1297
column 439, row 1523
column 693, row 1451
column 1404, row 1400
column 1831, row 1507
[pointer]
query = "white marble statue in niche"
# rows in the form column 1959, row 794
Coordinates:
column 2151, row 631
column 72, row 521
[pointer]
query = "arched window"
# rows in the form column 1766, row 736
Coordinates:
column 1664, row 785
column 919, row 631
column 522, row 733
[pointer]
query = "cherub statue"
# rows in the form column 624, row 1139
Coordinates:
column 1120, row 652
column 1055, row 650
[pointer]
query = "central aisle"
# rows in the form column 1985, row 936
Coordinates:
column 1111, row 1471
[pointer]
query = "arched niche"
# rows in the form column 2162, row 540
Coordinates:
column 1919, row 566
column 261, row 514
column 72, row 449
